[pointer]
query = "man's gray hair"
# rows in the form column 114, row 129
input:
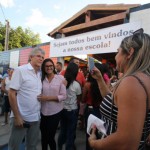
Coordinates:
column 34, row 51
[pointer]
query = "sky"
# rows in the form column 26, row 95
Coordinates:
column 42, row 16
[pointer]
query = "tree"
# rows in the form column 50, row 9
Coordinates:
column 2, row 39
column 18, row 37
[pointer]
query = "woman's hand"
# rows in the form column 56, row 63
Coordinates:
column 42, row 97
column 96, row 74
column 64, row 82
column 92, row 137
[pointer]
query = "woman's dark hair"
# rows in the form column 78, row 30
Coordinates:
column 95, row 92
column 71, row 73
column 107, row 69
column 43, row 68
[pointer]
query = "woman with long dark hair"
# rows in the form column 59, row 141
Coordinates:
column 69, row 118
column 53, row 93
column 91, row 96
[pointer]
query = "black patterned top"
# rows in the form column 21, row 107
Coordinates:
column 110, row 119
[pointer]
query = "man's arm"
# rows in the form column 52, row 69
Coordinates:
column 13, row 103
column 3, row 87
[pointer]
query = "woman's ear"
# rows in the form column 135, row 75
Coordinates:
column 131, row 51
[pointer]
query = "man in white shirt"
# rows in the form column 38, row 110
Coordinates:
column 25, row 86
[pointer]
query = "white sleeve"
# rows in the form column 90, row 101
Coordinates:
column 78, row 88
column 16, row 80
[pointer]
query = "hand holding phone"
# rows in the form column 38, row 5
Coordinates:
column 99, row 134
column 90, row 63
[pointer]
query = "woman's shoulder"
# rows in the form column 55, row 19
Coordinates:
column 130, row 88
column 76, row 83
column 59, row 77
column 135, row 80
column 128, row 83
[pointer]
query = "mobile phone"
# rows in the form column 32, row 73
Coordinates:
column 90, row 63
column 99, row 134
column 26, row 125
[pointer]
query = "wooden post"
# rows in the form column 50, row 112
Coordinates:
column 7, row 35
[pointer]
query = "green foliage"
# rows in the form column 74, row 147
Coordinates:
column 18, row 37
column 2, row 39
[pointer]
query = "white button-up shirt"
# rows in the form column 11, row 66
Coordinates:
column 28, row 85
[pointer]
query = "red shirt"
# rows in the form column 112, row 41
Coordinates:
column 87, row 97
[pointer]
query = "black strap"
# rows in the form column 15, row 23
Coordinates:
column 145, row 124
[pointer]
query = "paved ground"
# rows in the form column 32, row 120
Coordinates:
column 5, row 130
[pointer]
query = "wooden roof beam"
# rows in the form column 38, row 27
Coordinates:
column 103, row 20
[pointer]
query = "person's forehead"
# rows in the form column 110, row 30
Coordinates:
column 49, row 63
column 39, row 53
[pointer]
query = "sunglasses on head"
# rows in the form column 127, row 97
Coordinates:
column 136, row 38
column 139, row 31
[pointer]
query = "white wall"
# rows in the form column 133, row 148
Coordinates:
column 144, row 17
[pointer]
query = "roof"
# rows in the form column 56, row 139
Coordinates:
column 91, row 16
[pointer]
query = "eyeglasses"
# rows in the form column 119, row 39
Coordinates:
column 49, row 66
column 136, row 38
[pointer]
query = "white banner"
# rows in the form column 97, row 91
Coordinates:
column 99, row 41
column 14, row 59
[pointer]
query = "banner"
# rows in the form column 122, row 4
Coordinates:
column 105, row 40
column 14, row 59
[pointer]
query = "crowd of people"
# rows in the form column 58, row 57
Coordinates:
column 42, row 96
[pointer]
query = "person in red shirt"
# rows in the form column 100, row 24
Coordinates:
column 80, row 77
column 92, row 97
